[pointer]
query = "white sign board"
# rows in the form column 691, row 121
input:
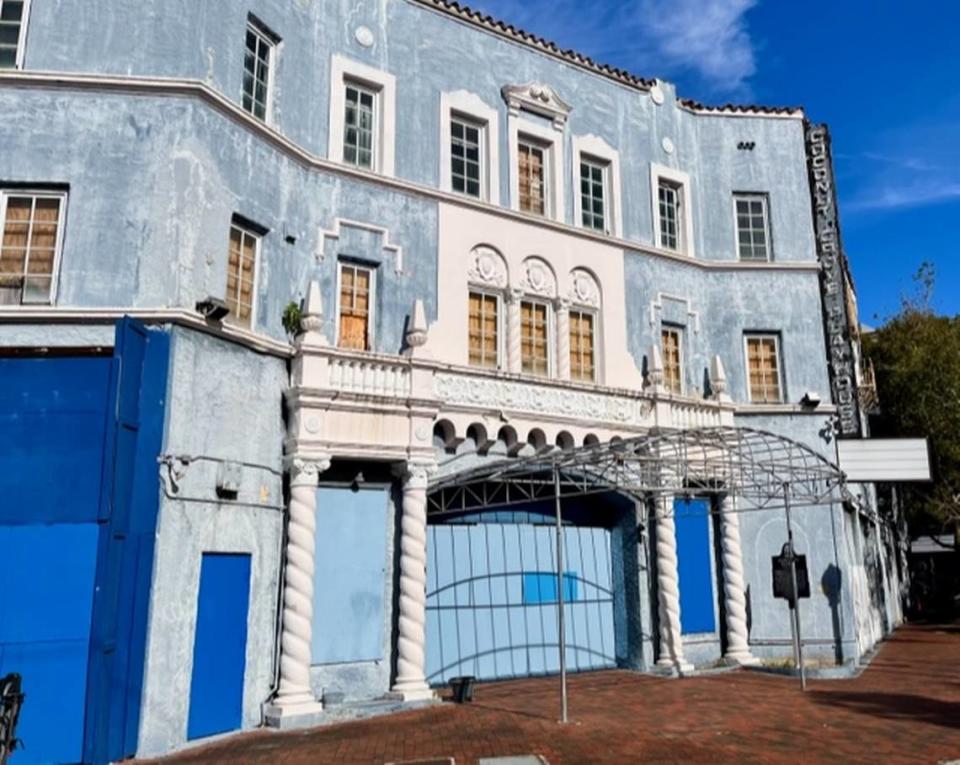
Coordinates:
column 891, row 460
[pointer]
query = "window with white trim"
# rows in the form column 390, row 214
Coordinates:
column 764, row 374
column 535, row 337
column 258, row 68
column 532, row 170
column 13, row 32
column 32, row 225
column 484, row 329
column 359, row 125
column 355, row 308
column 672, row 349
column 582, row 345
column 594, row 175
column 467, row 139
column 753, row 227
column 671, row 212
column 242, row 262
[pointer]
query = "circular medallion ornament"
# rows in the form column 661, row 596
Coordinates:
column 667, row 145
column 364, row 36
column 422, row 433
column 656, row 95
column 312, row 424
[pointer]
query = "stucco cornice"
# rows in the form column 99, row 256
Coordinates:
column 185, row 88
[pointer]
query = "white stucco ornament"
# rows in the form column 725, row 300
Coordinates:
column 667, row 145
column 584, row 290
column 364, row 36
column 656, row 94
column 489, row 267
column 539, row 278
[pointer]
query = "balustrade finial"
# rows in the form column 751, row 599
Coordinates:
column 655, row 368
column 416, row 337
column 718, row 379
column 311, row 319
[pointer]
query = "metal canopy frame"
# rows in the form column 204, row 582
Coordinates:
column 750, row 464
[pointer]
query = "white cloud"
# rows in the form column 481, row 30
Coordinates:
column 921, row 193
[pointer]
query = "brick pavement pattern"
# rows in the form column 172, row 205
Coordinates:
column 904, row 708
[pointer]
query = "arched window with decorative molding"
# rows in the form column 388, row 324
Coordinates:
column 533, row 326
column 488, row 281
column 578, row 328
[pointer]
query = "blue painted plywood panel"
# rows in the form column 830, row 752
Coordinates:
column 53, row 420
column 349, row 579
column 695, row 563
column 220, row 645
column 45, row 634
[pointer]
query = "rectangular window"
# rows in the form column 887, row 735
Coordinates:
column 359, row 128
column 242, row 273
column 30, row 251
column 763, row 367
column 484, row 323
column 582, row 365
column 466, row 162
column 257, row 63
column 533, row 337
column 753, row 226
column 356, row 290
column 593, row 177
column 13, row 23
column 670, row 215
column 672, row 366
column 532, row 175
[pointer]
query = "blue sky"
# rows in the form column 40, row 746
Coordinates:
column 884, row 75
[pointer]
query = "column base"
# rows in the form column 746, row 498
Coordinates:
column 681, row 667
column 413, row 691
column 305, row 714
column 744, row 659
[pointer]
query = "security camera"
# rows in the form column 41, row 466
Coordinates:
column 213, row 308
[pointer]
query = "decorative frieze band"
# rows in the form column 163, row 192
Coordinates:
column 540, row 399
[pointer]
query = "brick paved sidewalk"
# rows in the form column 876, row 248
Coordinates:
column 904, row 708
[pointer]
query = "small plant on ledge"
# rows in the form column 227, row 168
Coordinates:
column 291, row 318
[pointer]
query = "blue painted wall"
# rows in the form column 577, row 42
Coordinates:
column 220, row 645
column 348, row 599
column 695, row 565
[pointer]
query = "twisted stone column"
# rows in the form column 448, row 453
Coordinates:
column 411, row 622
column 562, row 308
column 668, row 589
column 734, row 586
column 514, row 332
column 294, row 694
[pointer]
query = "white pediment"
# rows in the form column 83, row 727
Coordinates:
column 539, row 99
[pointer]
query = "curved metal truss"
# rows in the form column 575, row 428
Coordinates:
column 757, row 467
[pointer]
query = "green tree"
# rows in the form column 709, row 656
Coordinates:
column 916, row 356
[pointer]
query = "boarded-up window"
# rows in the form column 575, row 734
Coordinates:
column 533, row 337
column 31, row 242
column 483, row 330
column 241, row 273
column 672, row 368
column 582, row 365
column 356, row 284
column 531, row 173
column 763, row 364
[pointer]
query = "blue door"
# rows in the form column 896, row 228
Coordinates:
column 492, row 600
column 220, row 645
column 695, row 565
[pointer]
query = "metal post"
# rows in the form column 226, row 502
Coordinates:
column 560, row 621
column 795, row 602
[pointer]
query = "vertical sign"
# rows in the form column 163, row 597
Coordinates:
column 833, row 280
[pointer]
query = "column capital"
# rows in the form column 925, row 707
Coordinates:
column 562, row 304
column 415, row 474
column 305, row 470
column 514, row 295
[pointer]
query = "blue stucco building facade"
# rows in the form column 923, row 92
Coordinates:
column 486, row 250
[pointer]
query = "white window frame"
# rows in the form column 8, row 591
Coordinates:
column 22, row 38
column 257, row 234
column 272, row 41
column 61, row 224
column 550, row 340
column 682, row 180
column 751, row 335
column 552, row 140
column 752, row 196
column 502, row 329
column 344, row 71
column 594, row 149
column 678, row 331
column 471, row 108
column 371, row 323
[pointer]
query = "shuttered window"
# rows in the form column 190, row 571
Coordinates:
column 242, row 273
column 32, row 232
column 672, row 367
column 533, row 337
column 484, row 321
column 356, row 288
column 582, row 362
column 763, row 366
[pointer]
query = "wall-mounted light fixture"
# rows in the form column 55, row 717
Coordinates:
column 213, row 309
column 811, row 399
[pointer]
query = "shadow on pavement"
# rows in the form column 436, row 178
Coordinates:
column 894, row 706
